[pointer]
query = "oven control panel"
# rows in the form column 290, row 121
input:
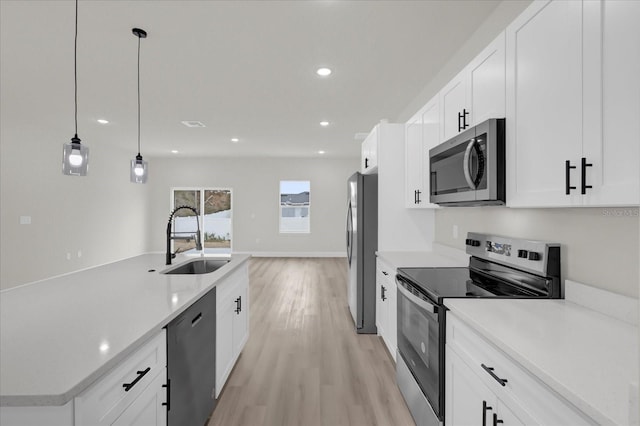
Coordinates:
column 539, row 257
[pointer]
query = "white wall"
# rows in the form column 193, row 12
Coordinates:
column 101, row 215
column 256, row 184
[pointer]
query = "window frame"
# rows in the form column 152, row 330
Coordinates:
column 280, row 217
column 202, row 190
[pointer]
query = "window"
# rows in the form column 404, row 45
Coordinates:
column 295, row 206
column 215, row 219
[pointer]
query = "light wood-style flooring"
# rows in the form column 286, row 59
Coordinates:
column 304, row 364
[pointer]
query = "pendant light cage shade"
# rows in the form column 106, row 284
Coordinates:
column 139, row 170
column 75, row 158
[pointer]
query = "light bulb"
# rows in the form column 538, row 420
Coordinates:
column 75, row 158
column 138, row 170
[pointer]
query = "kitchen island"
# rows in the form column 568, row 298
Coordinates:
column 58, row 336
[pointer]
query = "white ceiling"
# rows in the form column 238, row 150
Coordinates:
column 245, row 69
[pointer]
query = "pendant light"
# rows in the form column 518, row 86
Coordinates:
column 75, row 156
column 139, row 167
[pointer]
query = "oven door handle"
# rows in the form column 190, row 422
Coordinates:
column 429, row 307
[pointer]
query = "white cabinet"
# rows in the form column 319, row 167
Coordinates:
column 478, row 375
column 572, row 105
column 386, row 306
column 369, row 157
column 132, row 390
column 422, row 133
column 477, row 93
column 232, row 322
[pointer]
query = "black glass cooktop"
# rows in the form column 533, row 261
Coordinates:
column 440, row 283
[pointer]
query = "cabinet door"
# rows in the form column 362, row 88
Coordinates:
column 148, row 408
column 392, row 319
column 241, row 319
column 422, row 134
column 369, row 157
column 612, row 103
column 381, row 306
column 486, row 83
column 453, row 105
column 544, row 104
column 224, row 340
column 468, row 402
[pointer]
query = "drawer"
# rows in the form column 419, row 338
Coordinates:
column 105, row 399
column 521, row 387
column 386, row 273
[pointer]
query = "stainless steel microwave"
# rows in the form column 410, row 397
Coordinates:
column 469, row 169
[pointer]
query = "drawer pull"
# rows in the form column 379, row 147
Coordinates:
column 168, row 403
column 485, row 408
column 141, row 374
column 496, row 420
column 196, row 320
column 490, row 371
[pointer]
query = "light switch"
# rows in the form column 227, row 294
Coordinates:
column 25, row 220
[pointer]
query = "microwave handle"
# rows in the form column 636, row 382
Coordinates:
column 465, row 164
column 429, row 307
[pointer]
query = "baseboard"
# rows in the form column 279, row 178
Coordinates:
column 294, row 253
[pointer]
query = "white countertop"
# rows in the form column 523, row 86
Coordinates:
column 587, row 357
column 59, row 335
column 439, row 257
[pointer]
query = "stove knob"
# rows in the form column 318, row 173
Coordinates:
column 523, row 254
column 533, row 255
column 472, row 243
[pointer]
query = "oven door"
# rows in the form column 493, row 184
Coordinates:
column 419, row 341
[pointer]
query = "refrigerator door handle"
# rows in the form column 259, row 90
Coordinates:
column 349, row 233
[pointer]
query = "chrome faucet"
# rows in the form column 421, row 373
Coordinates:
column 173, row 235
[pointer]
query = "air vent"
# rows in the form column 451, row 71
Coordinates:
column 193, row 124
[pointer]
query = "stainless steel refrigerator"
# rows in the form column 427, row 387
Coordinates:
column 362, row 243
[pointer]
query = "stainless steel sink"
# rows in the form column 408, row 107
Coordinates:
column 198, row 266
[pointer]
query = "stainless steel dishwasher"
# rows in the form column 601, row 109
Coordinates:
column 191, row 352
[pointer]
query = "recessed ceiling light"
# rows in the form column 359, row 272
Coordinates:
column 102, row 121
column 320, row 152
column 193, row 124
column 323, row 72
column 234, row 140
column 324, row 123
column 174, row 151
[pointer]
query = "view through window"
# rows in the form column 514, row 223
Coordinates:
column 215, row 219
column 295, row 206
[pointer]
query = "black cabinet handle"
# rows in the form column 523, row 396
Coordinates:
column 567, row 177
column 490, row 371
column 141, row 374
column 584, row 175
column 485, row 408
column 464, row 119
column 382, row 291
column 496, row 420
column 168, row 403
column 418, row 192
column 366, row 163
column 239, row 305
column 460, row 122
column 415, row 197
column 196, row 319
column 385, row 273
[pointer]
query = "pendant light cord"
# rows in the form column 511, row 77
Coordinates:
column 138, row 95
column 75, row 70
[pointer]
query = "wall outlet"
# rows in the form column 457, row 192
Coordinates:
column 455, row 232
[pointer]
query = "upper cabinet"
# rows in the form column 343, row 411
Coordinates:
column 476, row 94
column 369, row 157
column 421, row 134
column 572, row 104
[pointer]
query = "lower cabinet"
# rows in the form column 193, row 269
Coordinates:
column 128, row 389
column 386, row 306
column 484, row 386
column 232, row 326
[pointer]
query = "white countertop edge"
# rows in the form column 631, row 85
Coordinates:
column 63, row 398
column 618, row 306
column 584, row 406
